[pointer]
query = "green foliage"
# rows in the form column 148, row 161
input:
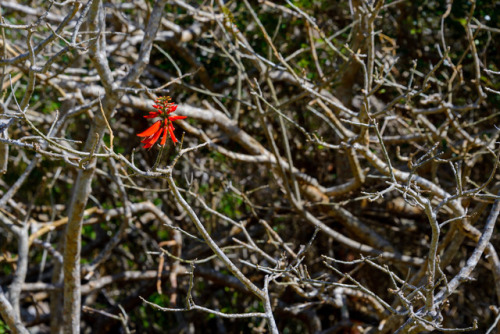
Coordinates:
column 230, row 205
column 6, row 269
column 4, row 329
column 88, row 231
column 159, row 299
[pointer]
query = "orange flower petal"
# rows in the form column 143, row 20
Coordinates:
column 151, row 130
column 153, row 139
column 146, row 140
column 172, row 109
column 164, row 138
column 172, row 135
column 153, row 114
column 176, row 117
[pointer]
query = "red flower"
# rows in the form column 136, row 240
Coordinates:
column 163, row 109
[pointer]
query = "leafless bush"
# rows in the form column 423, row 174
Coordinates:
column 336, row 173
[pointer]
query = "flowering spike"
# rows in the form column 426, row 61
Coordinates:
column 164, row 126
